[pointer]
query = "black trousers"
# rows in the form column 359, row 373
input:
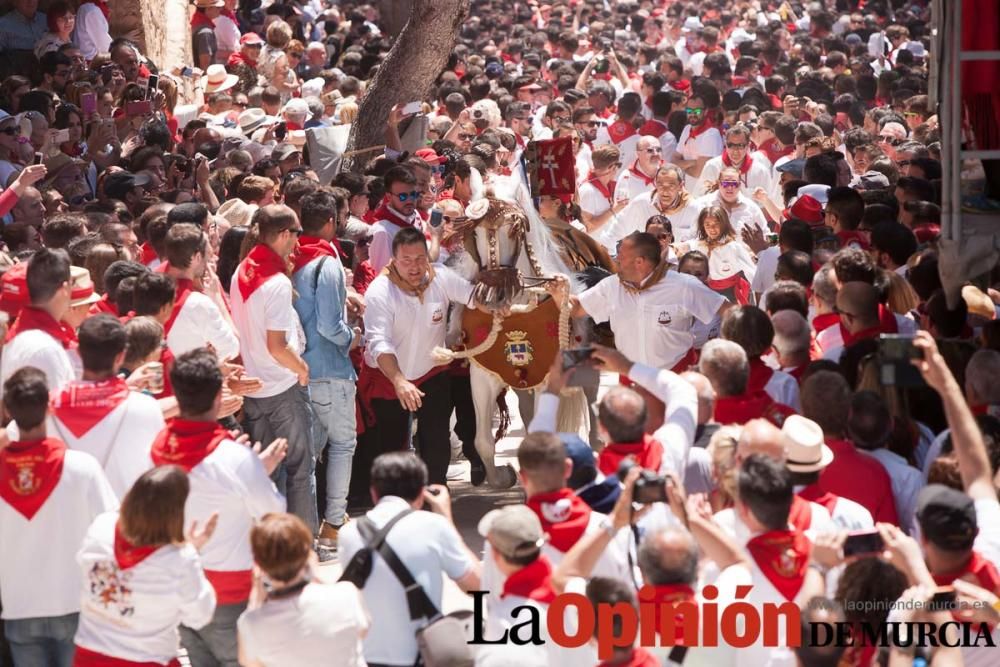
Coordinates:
column 392, row 422
column 465, row 417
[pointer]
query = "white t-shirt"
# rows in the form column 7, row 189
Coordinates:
column 200, row 323
column 592, row 200
column 91, row 33
column 746, row 212
column 727, row 260
column 380, row 248
column 38, row 573
column 763, row 278
column 633, row 218
column 408, row 327
column 133, row 614
column 322, row 621
column 759, row 176
column 653, row 327
column 430, row 547
column 37, row 348
column 631, row 185
column 269, row 308
column 707, row 144
column 227, row 37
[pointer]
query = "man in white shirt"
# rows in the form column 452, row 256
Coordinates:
column 91, row 32
column 700, row 140
column 268, row 327
column 657, row 126
column 426, row 542
column 637, row 179
column 228, row 479
column 49, row 496
column 196, row 319
column 405, row 319
column 99, row 414
column 650, row 308
column 599, row 201
column 753, row 174
column 398, row 211
column 669, row 199
column 39, row 337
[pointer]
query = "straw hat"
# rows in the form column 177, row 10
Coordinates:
column 805, row 450
column 217, row 79
column 82, row 293
column 237, row 212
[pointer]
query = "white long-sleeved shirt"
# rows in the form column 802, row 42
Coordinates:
column 133, row 614
column 383, row 232
column 91, row 32
column 199, row 323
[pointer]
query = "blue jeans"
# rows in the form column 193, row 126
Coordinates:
column 333, row 403
column 214, row 645
column 46, row 640
column 289, row 415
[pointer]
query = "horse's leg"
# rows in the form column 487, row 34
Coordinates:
column 526, row 405
column 485, row 389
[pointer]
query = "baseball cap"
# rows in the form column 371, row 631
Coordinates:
column 947, row 517
column 430, row 156
column 514, row 530
column 494, row 70
column 807, row 209
column 120, row 183
column 793, row 167
column 599, row 492
column 282, row 151
column 820, row 193
column 251, row 38
column 871, row 180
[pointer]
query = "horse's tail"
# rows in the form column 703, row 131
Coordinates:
column 504, row 414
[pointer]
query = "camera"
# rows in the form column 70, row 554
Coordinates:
column 477, row 113
column 649, row 488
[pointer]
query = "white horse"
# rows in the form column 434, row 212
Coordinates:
column 537, row 256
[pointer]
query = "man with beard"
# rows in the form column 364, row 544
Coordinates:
column 753, row 174
column 701, row 140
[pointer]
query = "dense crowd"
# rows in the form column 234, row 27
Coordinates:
column 217, row 352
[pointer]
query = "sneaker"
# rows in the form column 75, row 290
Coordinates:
column 328, row 534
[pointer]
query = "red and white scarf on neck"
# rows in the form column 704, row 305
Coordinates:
column 533, row 582
column 638, row 173
column 81, row 405
column 257, row 268
column 182, row 290
column 783, row 557
column 32, row 318
column 29, row 472
column 386, row 212
column 186, row 443
column 564, row 516
column 607, row 191
column 312, row 247
column 648, row 454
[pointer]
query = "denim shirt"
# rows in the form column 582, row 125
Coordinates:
column 18, row 33
column 322, row 313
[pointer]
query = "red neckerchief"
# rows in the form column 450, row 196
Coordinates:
column 855, row 237
column 29, row 471
column 32, row 318
column 797, row 372
column 760, row 375
column 814, row 494
column 640, row 658
column 82, row 404
column 199, row 20
column 653, row 128
column 103, row 6
column 186, row 443
column 927, row 232
column 231, row 15
column 648, row 454
column 239, row 58
column 673, row 594
column 619, row 131
column 978, row 571
column 127, row 554
column 886, row 325
column 744, row 166
column 635, row 171
column 800, row 516
column 104, row 306
column 309, row 248
column 564, row 516
column 771, row 150
column 698, row 130
column 385, row 212
column 532, row 581
column 783, row 557
column 608, row 191
column 257, row 268
column 825, row 321
column 741, row 409
column 148, row 255
column 182, row 290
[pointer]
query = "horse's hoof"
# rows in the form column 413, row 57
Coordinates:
column 477, row 474
column 505, row 477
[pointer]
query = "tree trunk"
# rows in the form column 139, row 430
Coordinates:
column 414, row 62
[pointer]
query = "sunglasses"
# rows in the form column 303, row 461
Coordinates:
column 736, row 147
column 910, row 114
column 652, row 151
column 561, row 119
column 694, row 111
column 466, row 137
column 10, row 131
column 297, row 231
column 406, row 196
column 595, row 123
column 892, row 141
column 729, row 184
column 437, row 169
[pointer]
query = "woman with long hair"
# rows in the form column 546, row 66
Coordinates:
column 142, row 576
column 731, row 265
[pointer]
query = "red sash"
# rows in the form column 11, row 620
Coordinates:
column 741, row 409
column 760, row 375
column 231, row 586
column 260, row 264
column 532, row 581
column 384, row 212
column 103, row 306
column 653, row 128
column 608, row 191
column 783, row 557
column 800, row 516
column 81, row 405
column 199, row 20
column 308, row 249
column 372, row 384
column 127, row 554
column 186, row 443
column 823, row 322
column 635, row 171
column 564, row 516
column 183, row 289
column 32, row 318
column 673, row 594
column 886, row 325
column 735, row 287
column 619, row 131
column 29, row 472
column 648, row 453
column 87, row 658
